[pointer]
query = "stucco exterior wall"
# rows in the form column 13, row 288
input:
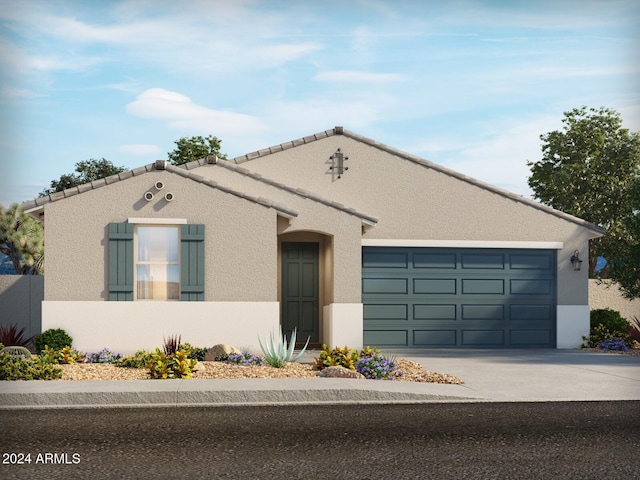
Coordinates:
column 607, row 295
column 415, row 202
column 240, row 237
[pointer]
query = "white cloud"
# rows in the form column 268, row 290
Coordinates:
column 354, row 76
column 15, row 92
column 140, row 150
column 180, row 113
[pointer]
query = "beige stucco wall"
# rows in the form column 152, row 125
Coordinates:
column 240, row 237
column 414, row 202
column 607, row 295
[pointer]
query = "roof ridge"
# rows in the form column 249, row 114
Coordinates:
column 338, row 130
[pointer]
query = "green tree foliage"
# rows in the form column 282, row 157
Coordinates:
column 194, row 148
column 22, row 240
column 86, row 171
column 591, row 169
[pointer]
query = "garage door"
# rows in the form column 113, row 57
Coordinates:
column 475, row 298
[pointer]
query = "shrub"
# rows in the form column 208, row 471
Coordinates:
column 176, row 365
column 342, row 356
column 103, row 356
column 10, row 336
column 171, row 345
column 634, row 328
column 377, row 367
column 66, row 355
column 245, row 359
column 197, row 353
column 607, row 324
column 612, row 345
column 276, row 353
column 56, row 338
column 22, row 368
column 138, row 360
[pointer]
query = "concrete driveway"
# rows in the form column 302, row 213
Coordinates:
column 536, row 375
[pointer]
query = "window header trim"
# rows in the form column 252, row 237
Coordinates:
column 157, row 221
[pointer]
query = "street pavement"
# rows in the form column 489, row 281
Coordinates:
column 489, row 376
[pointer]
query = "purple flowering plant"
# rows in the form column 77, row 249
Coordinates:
column 103, row 356
column 612, row 344
column 378, row 367
column 245, row 359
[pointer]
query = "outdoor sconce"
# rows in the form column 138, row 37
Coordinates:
column 575, row 260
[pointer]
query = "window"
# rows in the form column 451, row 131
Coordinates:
column 147, row 261
column 157, row 263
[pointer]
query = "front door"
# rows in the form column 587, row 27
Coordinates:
column 300, row 290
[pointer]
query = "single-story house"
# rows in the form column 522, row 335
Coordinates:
column 347, row 240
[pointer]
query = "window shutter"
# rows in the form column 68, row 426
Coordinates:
column 120, row 261
column 192, row 263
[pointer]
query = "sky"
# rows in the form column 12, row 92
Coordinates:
column 467, row 84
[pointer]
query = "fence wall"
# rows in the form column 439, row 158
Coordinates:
column 21, row 302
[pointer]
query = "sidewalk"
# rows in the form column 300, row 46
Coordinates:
column 489, row 375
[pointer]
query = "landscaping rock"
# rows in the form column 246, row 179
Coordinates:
column 220, row 350
column 340, row 372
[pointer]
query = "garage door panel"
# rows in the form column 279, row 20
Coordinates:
column 530, row 338
column 434, row 312
column 501, row 298
column 482, row 312
column 385, row 285
column 435, row 260
column 386, row 312
column 530, row 262
column 482, row 261
column 483, row 338
column 531, row 287
column 484, row 286
column 531, row 312
column 386, row 338
column 434, row 286
column 435, row 338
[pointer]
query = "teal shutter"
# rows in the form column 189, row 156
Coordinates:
column 192, row 263
column 120, row 261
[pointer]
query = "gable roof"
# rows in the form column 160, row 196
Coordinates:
column 595, row 230
column 35, row 207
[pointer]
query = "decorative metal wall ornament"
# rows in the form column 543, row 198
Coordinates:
column 337, row 163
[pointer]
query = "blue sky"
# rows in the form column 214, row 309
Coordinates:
column 470, row 84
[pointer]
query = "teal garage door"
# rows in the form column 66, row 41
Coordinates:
column 473, row 298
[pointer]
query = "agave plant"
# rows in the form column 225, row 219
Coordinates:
column 276, row 352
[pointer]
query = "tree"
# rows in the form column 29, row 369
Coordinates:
column 86, row 171
column 195, row 148
column 591, row 170
column 22, row 240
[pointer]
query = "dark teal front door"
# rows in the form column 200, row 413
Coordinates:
column 300, row 290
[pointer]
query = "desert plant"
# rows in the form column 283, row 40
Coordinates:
column 14, row 367
column 176, row 365
column 338, row 356
column 276, row 353
column 245, row 359
column 138, row 360
column 197, row 353
column 55, row 338
column 10, row 336
column 607, row 324
column 634, row 328
column 171, row 345
column 378, row 367
column 65, row 355
column 612, row 345
column 103, row 356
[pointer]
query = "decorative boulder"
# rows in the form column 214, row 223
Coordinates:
column 340, row 372
column 220, row 350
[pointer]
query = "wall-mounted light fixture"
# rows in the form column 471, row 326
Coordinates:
column 148, row 196
column 159, row 185
column 575, row 260
column 168, row 196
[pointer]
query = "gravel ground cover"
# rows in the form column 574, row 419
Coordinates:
column 413, row 372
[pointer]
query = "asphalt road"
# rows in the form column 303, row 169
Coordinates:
column 569, row 440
